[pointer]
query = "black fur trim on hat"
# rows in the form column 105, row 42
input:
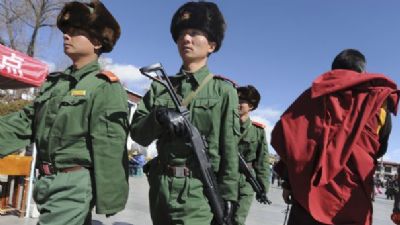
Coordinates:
column 92, row 17
column 250, row 94
column 204, row 16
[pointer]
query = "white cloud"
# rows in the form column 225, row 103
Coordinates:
column 392, row 155
column 129, row 75
column 126, row 72
column 268, row 117
column 268, row 112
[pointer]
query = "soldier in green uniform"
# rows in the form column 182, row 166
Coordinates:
column 79, row 124
column 176, row 192
column 253, row 147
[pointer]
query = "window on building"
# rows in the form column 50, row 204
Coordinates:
column 388, row 169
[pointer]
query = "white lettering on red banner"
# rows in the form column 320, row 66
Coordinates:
column 12, row 63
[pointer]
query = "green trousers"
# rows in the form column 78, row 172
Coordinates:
column 246, row 196
column 64, row 198
column 178, row 200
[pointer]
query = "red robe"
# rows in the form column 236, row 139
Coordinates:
column 327, row 140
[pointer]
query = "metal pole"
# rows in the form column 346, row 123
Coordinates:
column 31, row 177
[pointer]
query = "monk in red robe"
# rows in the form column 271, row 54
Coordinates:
column 329, row 141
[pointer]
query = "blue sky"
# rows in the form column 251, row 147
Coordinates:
column 279, row 46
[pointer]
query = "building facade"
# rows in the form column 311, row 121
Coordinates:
column 386, row 169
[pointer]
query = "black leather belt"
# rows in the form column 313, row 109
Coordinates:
column 46, row 168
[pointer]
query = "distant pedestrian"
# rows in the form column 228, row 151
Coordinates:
column 391, row 188
column 136, row 163
column 273, row 177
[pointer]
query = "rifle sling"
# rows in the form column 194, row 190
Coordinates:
column 193, row 94
column 245, row 132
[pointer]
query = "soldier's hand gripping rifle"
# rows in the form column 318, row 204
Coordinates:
column 257, row 186
column 198, row 145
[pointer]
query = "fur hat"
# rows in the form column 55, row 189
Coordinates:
column 92, row 17
column 204, row 16
column 250, row 94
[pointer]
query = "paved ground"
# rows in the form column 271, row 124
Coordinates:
column 137, row 212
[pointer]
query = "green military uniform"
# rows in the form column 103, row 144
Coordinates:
column 254, row 149
column 79, row 118
column 180, row 200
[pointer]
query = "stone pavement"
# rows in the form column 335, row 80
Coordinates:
column 137, row 212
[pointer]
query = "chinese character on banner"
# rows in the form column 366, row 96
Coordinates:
column 18, row 70
column 12, row 63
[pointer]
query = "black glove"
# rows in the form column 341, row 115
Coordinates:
column 262, row 198
column 228, row 212
column 172, row 121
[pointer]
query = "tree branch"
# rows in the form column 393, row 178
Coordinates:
column 32, row 5
column 27, row 23
column 47, row 25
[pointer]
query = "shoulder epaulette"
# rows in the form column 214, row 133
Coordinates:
column 109, row 75
column 55, row 74
column 257, row 124
column 226, row 79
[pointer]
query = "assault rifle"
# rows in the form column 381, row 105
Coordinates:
column 198, row 145
column 257, row 186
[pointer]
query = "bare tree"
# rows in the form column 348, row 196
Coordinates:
column 22, row 20
column 10, row 14
column 43, row 14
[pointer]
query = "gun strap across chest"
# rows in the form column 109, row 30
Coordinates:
column 247, row 128
column 193, row 94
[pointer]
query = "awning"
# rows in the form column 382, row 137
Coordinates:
column 18, row 70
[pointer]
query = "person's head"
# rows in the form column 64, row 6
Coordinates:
column 249, row 98
column 349, row 59
column 198, row 28
column 88, row 28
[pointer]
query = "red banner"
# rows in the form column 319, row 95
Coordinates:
column 18, row 70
